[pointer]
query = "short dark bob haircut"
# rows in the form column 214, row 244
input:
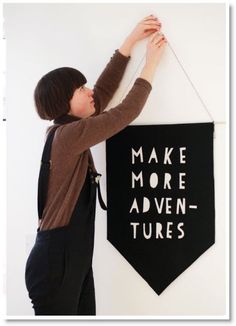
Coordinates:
column 55, row 90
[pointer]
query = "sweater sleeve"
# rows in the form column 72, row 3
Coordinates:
column 109, row 81
column 79, row 136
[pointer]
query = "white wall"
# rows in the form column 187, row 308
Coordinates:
column 42, row 37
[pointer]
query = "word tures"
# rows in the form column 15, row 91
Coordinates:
column 157, row 231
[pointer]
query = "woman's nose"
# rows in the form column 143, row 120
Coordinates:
column 90, row 92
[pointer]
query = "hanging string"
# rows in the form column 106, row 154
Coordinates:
column 186, row 74
column 191, row 83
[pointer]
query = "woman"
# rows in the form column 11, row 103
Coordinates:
column 59, row 276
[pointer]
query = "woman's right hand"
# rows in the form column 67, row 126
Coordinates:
column 155, row 48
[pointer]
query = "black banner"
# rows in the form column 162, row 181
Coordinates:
column 160, row 197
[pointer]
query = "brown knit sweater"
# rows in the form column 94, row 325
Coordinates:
column 70, row 154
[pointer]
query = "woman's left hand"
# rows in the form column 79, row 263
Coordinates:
column 145, row 28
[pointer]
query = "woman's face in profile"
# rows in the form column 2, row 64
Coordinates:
column 82, row 103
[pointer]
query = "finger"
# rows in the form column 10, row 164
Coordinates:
column 163, row 38
column 156, row 37
column 161, row 43
column 159, row 40
column 151, row 20
column 152, row 27
column 152, row 24
column 150, row 31
column 156, row 29
column 150, row 16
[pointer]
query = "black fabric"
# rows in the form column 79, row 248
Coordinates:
column 58, row 272
column 101, row 201
column 44, row 173
column 153, row 225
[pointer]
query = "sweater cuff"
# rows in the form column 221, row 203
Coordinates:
column 121, row 56
column 144, row 83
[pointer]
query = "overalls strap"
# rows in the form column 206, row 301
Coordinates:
column 44, row 173
column 96, row 177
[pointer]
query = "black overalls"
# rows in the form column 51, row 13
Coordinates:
column 58, row 274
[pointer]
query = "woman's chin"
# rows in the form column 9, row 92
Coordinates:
column 94, row 110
